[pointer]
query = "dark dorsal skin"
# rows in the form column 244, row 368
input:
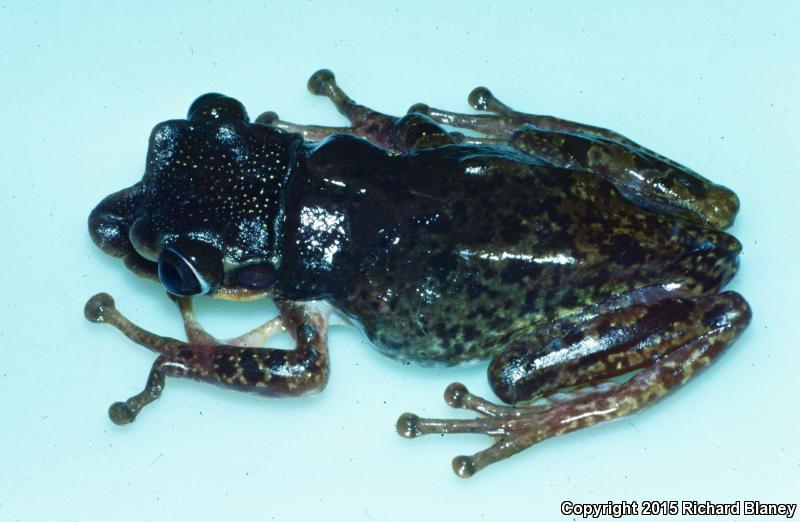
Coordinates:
column 435, row 274
column 439, row 254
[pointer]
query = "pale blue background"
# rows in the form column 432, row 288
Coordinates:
column 714, row 85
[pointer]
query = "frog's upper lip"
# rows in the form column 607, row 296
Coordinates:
column 141, row 266
column 239, row 294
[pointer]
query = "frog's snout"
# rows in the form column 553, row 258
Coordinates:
column 110, row 221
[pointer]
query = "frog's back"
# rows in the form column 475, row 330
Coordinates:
column 450, row 250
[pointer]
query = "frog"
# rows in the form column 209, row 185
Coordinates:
column 586, row 269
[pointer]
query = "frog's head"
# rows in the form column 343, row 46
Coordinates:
column 203, row 218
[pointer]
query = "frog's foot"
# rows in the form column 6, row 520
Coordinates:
column 666, row 342
column 505, row 121
column 645, row 176
column 233, row 364
column 512, row 428
column 411, row 132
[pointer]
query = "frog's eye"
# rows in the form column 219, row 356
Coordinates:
column 215, row 106
column 260, row 276
column 190, row 268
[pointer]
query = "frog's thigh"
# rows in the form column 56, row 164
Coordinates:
column 668, row 340
column 646, row 178
column 639, row 336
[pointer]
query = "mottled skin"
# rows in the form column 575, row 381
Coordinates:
column 566, row 253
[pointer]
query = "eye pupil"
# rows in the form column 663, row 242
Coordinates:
column 177, row 275
column 189, row 267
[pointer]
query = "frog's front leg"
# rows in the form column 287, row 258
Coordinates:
column 666, row 341
column 233, row 364
column 397, row 134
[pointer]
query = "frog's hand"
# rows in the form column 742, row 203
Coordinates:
column 668, row 341
column 237, row 365
column 365, row 122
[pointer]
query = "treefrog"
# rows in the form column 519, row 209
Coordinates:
column 585, row 267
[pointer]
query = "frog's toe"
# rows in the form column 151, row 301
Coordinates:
column 482, row 99
column 321, row 81
column 267, row 118
column 120, row 413
column 98, row 307
column 419, row 108
column 407, row 426
column 479, row 98
column 455, row 395
column 464, row 466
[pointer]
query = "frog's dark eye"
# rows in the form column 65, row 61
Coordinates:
column 258, row 277
column 215, row 106
column 190, row 268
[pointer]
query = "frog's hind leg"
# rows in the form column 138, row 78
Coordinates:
column 645, row 176
column 505, row 121
column 236, row 364
column 404, row 134
column 568, row 380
